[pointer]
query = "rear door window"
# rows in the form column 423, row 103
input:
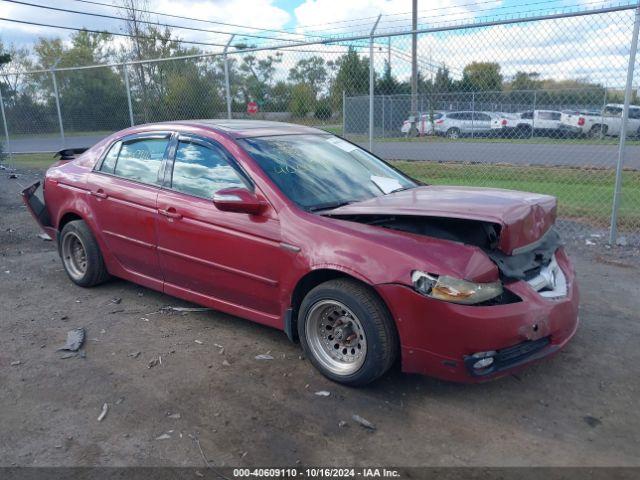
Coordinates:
column 109, row 162
column 140, row 159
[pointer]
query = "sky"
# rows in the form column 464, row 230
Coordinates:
column 592, row 47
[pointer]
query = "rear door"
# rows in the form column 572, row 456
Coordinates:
column 481, row 122
column 124, row 190
column 222, row 259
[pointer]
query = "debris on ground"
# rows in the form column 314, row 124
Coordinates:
column 621, row 241
column 174, row 416
column 116, row 300
column 154, row 362
column 16, row 363
column 363, row 422
column 103, row 413
column 199, row 342
column 264, row 356
column 119, row 401
column 592, row 421
column 44, row 236
column 69, row 355
column 13, row 176
column 75, row 339
column 164, row 436
column 134, row 354
column 323, row 393
column 589, row 242
column 226, row 363
column 342, row 424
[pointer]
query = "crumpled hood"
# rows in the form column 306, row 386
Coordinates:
column 523, row 217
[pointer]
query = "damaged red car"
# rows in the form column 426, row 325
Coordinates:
column 303, row 231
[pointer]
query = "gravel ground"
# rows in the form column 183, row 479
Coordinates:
column 210, row 397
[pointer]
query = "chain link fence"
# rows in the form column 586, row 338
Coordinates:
column 534, row 104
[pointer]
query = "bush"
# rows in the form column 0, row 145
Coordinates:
column 323, row 111
column 303, row 100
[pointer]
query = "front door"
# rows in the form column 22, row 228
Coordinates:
column 231, row 261
column 124, row 190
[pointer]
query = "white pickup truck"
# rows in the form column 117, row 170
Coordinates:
column 600, row 124
column 526, row 124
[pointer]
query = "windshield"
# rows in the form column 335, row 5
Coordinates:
column 323, row 171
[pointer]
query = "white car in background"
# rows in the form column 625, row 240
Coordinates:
column 468, row 123
column 599, row 124
column 424, row 125
column 526, row 124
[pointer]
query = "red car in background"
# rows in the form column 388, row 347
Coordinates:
column 300, row 230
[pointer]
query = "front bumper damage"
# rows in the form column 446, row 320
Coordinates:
column 440, row 339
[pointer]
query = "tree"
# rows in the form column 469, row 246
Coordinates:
column 311, row 71
column 525, row 81
column 387, row 84
column 352, row 77
column 443, row 81
column 303, row 100
column 482, row 76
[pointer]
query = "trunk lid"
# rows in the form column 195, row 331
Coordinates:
column 523, row 217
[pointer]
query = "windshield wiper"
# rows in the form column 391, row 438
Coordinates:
column 327, row 206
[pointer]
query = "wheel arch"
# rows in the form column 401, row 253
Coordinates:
column 308, row 282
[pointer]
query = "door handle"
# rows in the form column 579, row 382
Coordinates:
column 99, row 193
column 170, row 213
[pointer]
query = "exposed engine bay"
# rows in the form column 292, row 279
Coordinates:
column 524, row 264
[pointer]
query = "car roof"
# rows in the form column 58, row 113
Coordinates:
column 250, row 128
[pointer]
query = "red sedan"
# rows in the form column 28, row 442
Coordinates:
column 303, row 231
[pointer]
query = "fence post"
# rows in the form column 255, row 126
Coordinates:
column 6, row 128
column 613, row 233
column 55, row 91
column 371, row 82
column 125, row 71
column 344, row 128
column 226, row 76
column 473, row 114
column 533, row 115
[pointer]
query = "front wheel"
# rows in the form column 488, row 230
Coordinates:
column 347, row 332
column 81, row 256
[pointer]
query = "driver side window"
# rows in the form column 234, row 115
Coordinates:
column 203, row 170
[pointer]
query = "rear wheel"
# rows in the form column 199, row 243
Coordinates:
column 598, row 131
column 453, row 133
column 347, row 332
column 81, row 255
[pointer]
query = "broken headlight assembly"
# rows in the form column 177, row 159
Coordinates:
column 455, row 290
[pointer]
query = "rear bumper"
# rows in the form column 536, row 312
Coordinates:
column 439, row 338
column 38, row 210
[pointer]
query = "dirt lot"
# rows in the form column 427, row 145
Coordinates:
column 580, row 408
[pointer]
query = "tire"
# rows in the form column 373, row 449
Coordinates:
column 453, row 133
column 523, row 131
column 344, row 318
column 598, row 131
column 81, row 256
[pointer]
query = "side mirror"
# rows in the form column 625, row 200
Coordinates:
column 238, row 200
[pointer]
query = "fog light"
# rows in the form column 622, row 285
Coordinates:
column 483, row 363
column 485, row 359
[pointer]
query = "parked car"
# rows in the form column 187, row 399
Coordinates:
column 300, row 230
column 532, row 122
column 466, row 123
column 599, row 124
column 424, row 126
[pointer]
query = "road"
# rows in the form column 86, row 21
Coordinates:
column 567, row 154
column 210, row 398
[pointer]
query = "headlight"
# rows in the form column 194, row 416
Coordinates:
column 454, row 290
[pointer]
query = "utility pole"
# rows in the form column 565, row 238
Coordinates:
column 414, row 67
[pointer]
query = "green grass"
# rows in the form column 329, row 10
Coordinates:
column 583, row 194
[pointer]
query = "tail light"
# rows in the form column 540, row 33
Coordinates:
column 504, row 122
column 581, row 121
column 439, row 122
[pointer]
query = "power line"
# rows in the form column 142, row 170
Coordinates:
column 25, row 22
column 104, row 15
column 182, row 17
